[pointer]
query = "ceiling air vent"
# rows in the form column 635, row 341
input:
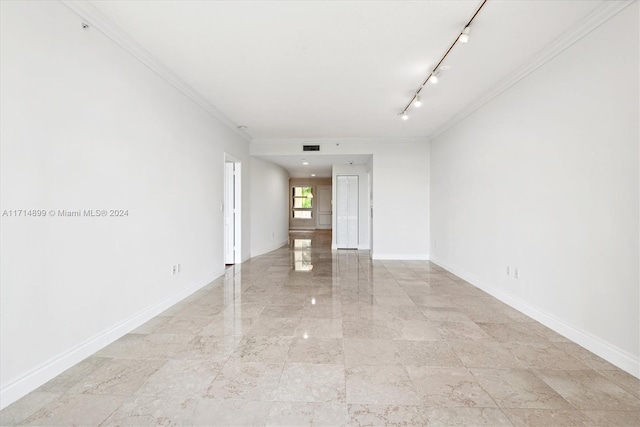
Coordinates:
column 310, row 148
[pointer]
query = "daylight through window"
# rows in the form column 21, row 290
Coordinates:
column 302, row 202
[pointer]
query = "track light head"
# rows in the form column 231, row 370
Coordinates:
column 418, row 101
column 433, row 78
column 404, row 115
column 464, row 36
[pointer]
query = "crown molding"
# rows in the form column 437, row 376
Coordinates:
column 598, row 16
column 92, row 16
column 398, row 140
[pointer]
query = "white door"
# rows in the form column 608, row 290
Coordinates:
column 347, row 211
column 323, row 206
column 229, row 213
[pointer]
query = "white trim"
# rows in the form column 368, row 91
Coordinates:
column 333, row 141
column 96, row 19
column 55, row 366
column 269, row 248
column 598, row 16
column 621, row 358
column 400, row 257
column 237, row 202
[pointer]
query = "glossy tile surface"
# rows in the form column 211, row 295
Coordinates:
column 303, row 336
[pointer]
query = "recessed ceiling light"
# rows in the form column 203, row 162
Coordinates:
column 304, row 162
column 313, row 174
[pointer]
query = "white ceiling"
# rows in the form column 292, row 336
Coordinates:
column 318, row 164
column 340, row 69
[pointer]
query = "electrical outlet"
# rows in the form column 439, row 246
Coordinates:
column 174, row 270
column 516, row 273
column 508, row 271
column 273, row 234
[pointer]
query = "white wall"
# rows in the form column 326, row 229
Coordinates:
column 269, row 206
column 363, row 202
column 401, row 190
column 87, row 126
column 401, row 201
column 545, row 179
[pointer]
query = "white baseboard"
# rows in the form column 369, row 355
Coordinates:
column 266, row 249
column 596, row 345
column 400, row 257
column 55, row 366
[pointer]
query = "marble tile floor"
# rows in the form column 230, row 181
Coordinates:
column 302, row 336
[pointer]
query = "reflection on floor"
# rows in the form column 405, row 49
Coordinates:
column 302, row 252
column 303, row 336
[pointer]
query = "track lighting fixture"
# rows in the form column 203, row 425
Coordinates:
column 433, row 76
column 464, row 36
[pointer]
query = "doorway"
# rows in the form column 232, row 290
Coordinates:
column 232, row 211
column 347, row 201
column 323, row 207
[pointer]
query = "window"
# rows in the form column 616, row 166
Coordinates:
column 302, row 202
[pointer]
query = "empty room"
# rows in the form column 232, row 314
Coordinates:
column 320, row 213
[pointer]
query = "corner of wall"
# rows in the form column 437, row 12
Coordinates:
column 53, row 367
column 596, row 345
column 266, row 249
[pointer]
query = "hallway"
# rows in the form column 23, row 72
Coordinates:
column 303, row 336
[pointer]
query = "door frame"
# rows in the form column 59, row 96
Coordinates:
column 232, row 193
